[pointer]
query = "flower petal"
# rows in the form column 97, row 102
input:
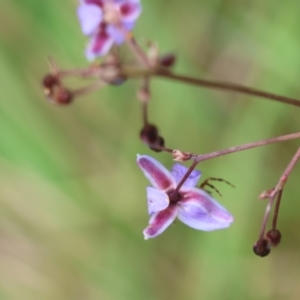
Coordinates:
column 128, row 25
column 157, row 174
column 115, row 33
column 96, row 2
column 160, row 221
column 129, row 10
column 90, row 16
column 200, row 211
column 157, row 200
column 99, row 45
column 178, row 171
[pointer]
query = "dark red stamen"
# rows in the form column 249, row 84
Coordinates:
column 174, row 196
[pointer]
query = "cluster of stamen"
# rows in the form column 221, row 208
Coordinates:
column 111, row 15
column 174, row 196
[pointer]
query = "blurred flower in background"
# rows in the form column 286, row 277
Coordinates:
column 106, row 22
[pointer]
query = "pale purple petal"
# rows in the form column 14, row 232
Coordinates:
column 90, row 17
column 157, row 200
column 160, row 221
column 178, row 171
column 99, row 45
column 200, row 211
column 129, row 10
column 156, row 173
column 128, row 25
column 115, row 33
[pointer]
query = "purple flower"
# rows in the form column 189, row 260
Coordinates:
column 191, row 205
column 106, row 22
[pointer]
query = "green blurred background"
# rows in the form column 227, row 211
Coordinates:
column 72, row 200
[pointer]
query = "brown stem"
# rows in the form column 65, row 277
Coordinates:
column 284, row 177
column 265, row 219
column 88, row 72
column 186, row 175
column 145, row 113
column 136, row 50
column 276, row 210
column 144, row 96
column 53, row 65
column 202, row 157
column 277, row 192
column 89, row 88
column 281, row 183
column 226, row 86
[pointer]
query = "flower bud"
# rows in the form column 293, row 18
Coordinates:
column 63, row 97
column 49, row 81
column 274, row 237
column 160, row 142
column 167, row 60
column 149, row 134
column 262, row 248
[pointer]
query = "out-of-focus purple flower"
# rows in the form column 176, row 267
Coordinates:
column 191, row 205
column 106, row 22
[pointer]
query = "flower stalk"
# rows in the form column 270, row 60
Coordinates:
column 275, row 194
column 108, row 24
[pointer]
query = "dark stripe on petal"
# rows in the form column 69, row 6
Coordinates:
column 130, row 11
column 99, row 45
column 157, row 174
column 160, row 221
column 95, row 2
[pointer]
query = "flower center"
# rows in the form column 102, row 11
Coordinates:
column 111, row 14
column 174, row 196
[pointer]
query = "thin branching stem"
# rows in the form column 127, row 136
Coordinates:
column 265, row 218
column 282, row 138
column 186, row 175
column 202, row 157
column 276, row 192
column 276, row 210
column 226, row 86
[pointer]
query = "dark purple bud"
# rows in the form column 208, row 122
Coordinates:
column 63, row 97
column 49, row 81
column 274, row 237
column 160, row 142
column 149, row 134
column 167, row 60
column 262, row 248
